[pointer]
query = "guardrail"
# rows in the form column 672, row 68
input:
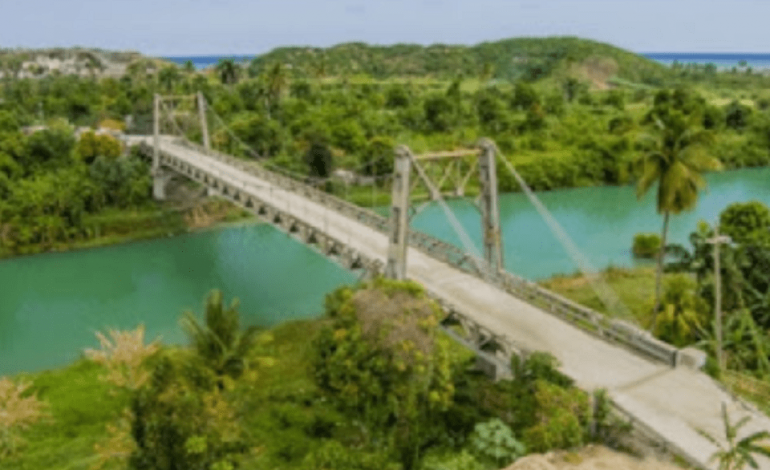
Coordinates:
column 591, row 321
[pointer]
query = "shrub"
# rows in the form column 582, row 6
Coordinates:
column 562, row 417
column 334, row 456
column 92, row 145
column 382, row 360
column 462, row 461
column 17, row 412
column 742, row 220
column 124, row 357
column 494, row 441
column 646, row 245
column 181, row 420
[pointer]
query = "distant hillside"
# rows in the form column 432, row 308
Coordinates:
column 36, row 63
column 527, row 58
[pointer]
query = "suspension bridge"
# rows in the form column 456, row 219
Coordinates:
column 656, row 386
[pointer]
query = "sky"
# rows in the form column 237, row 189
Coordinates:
column 245, row 27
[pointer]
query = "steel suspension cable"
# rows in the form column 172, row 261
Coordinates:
column 602, row 290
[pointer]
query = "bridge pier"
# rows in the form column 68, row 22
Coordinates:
column 160, row 179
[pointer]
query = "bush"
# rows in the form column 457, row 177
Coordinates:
column 494, row 441
column 19, row 411
column 382, row 360
column 334, row 456
column 182, row 421
column 562, row 418
column 741, row 221
column 462, row 461
column 646, row 245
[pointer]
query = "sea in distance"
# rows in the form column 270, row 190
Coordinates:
column 721, row 60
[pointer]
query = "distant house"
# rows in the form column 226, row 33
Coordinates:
column 29, row 130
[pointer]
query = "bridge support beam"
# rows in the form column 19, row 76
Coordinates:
column 490, row 211
column 204, row 122
column 155, row 133
column 160, row 179
column 399, row 220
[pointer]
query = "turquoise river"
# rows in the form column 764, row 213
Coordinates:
column 51, row 304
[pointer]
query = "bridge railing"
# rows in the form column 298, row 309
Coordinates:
column 591, row 321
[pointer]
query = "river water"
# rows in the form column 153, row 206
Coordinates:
column 51, row 304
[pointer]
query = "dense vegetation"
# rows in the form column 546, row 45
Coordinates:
column 510, row 59
column 362, row 393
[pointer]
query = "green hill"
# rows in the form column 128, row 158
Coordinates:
column 526, row 58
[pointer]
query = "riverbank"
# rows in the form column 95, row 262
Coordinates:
column 117, row 227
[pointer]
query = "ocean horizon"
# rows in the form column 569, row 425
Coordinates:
column 720, row 60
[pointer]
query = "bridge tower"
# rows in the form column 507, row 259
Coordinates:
column 487, row 202
column 490, row 211
column 399, row 211
column 160, row 177
column 166, row 112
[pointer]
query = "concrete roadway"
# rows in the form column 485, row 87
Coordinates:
column 673, row 402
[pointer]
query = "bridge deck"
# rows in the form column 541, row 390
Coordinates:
column 675, row 402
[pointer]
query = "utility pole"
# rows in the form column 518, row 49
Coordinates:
column 204, row 123
column 716, row 241
column 399, row 220
column 490, row 212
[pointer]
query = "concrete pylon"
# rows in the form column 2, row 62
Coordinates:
column 490, row 211
column 160, row 179
column 399, row 220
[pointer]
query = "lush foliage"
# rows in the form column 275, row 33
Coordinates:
column 382, row 359
column 494, row 440
column 646, row 245
column 744, row 221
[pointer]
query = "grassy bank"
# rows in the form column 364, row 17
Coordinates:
column 115, row 226
column 634, row 287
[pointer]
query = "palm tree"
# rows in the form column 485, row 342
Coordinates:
column 738, row 454
column 189, row 67
column 676, row 158
column 683, row 310
column 168, row 77
column 220, row 343
column 228, row 71
column 277, row 81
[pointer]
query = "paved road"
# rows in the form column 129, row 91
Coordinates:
column 674, row 402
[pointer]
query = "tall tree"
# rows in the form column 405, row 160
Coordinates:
column 277, row 82
column 227, row 70
column 675, row 159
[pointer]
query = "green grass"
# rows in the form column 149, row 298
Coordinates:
column 80, row 405
column 634, row 288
